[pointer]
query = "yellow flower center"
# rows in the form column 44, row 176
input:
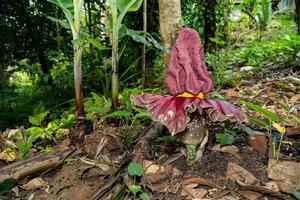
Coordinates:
column 189, row 95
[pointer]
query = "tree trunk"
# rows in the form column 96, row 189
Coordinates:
column 2, row 77
column 226, row 5
column 169, row 20
column 209, row 24
column 115, row 76
column 297, row 2
column 143, row 63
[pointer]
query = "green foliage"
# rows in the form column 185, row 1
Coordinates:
column 135, row 169
column 122, row 5
column 259, row 11
column 270, row 124
column 37, row 120
column 6, row 185
column 278, row 45
column 39, row 132
column 135, row 189
column 144, row 196
column 296, row 195
column 270, row 115
column 24, row 147
column 226, row 138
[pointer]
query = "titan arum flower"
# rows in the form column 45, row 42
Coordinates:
column 185, row 110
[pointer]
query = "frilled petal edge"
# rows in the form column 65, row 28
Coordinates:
column 172, row 111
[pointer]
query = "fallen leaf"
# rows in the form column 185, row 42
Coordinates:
column 232, row 92
column 293, row 130
column 295, row 98
column 236, row 172
column 199, row 181
column 286, row 174
column 272, row 185
column 280, row 111
column 34, row 184
column 250, row 195
column 191, row 191
column 259, row 142
column 271, row 94
column 157, row 176
column 8, row 155
column 226, row 149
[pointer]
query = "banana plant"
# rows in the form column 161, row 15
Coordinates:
column 118, row 9
column 72, row 11
column 259, row 12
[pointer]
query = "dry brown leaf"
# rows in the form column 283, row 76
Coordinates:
column 286, row 174
column 226, row 149
column 34, row 184
column 272, row 185
column 191, row 191
column 233, row 92
column 259, row 142
column 236, row 172
column 295, row 98
column 158, row 176
column 293, row 130
column 155, row 172
column 199, row 181
column 271, row 94
column 250, row 195
column 280, row 111
column 8, row 155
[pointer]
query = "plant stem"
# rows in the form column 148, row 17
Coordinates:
column 278, row 150
column 190, row 154
column 271, row 139
column 115, row 77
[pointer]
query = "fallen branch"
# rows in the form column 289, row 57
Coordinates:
column 142, row 149
column 145, row 142
column 35, row 164
column 264, row 190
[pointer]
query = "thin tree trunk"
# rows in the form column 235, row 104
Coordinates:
column 297, row 2
column 115, row 76
column 143, row 63
column 57, row 29
column 169, row 20
column 2, row 77
column 226, row 20
column 210, row 24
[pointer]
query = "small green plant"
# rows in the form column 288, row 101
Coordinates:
column 135, row 170
column 269, row 123
column 51, row 130
column 227, row 138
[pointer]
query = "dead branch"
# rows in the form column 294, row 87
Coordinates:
column 35, row 164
